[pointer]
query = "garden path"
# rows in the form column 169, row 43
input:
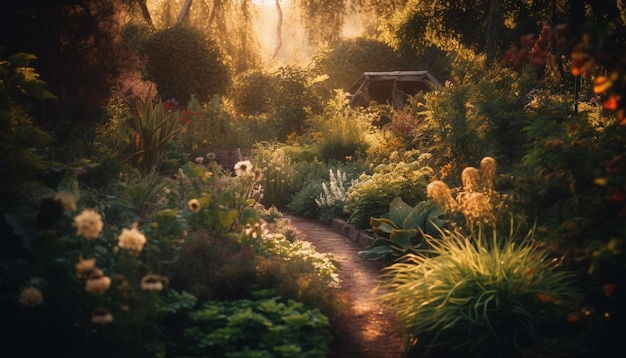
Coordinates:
column 369, row 330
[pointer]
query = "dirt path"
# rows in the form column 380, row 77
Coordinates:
column 370, row 330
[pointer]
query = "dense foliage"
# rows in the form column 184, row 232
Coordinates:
column 123, row 231
column 182, row 62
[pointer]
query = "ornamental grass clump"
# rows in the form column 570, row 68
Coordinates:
column 477, row 297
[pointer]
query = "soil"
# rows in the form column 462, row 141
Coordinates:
column 368, row 330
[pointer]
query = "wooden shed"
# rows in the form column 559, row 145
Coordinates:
column 390, row 87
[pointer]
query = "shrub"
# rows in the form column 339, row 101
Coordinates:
column 345, row 63
column 182, row 62
column 277, row 172
column 342, row 131
column 371, row 195
column 252, row 92
column 209, row 128
column 214, row 268
column 267, row 326
column 22, row 143
column 478, row 297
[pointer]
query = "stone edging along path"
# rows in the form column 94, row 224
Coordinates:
column 370, row 329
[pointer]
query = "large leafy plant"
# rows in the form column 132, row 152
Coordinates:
column 154, row 128
column 403, row 230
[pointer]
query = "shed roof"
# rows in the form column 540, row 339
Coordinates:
column 392, row 87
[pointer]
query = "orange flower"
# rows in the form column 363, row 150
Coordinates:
column 611, row 103
column 602, row 84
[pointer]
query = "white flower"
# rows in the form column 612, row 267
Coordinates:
column 244, row 168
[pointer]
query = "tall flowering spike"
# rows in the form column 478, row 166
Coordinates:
column 132, row 239
column 88, row 224
column 476, row 206
column 488, row 172
column 471, row 179
column 441, row 194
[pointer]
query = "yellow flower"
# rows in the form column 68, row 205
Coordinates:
column 31, row 297
column 194, row 205
column 67, row 200
column 132, row 239
column 101, row 316
column 151, row 283
column 85, row 267
column 88, row 224
column 97, row 283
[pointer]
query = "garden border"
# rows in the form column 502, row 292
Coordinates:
column 349, row 231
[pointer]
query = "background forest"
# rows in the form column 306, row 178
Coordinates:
column 149, row 148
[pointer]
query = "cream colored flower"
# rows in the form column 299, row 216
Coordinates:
column 67, row 200
column 488, row 172
column 244, row 168
column 151, row 283
column 31, row 297
column 441, row 194
column 97, row 283
column 132, row 239
column 85, row 267
column 101, row 316
column 476, row 206
column 471, row 179
column 88, row 224
column 193, row 205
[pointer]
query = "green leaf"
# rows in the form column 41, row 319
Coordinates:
column 399, row 210
column 375, row 253
column 382, row 224
column 403, row 237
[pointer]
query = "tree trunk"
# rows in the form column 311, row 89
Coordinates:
column 183, row 12
column 494, row 19
column 144, row 11
column 279, row 26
